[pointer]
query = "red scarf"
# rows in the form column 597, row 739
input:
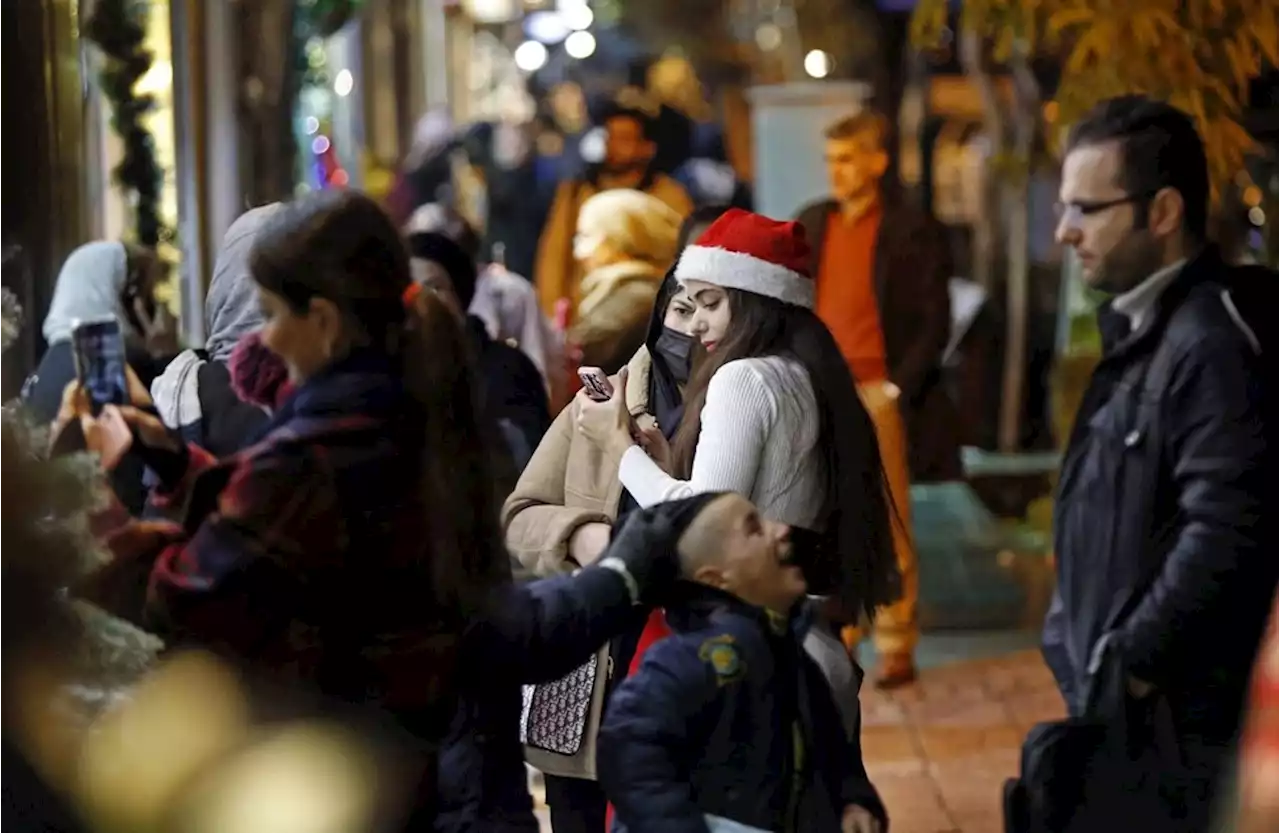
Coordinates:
column 655, row 630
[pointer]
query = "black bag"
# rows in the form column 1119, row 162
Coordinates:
column 1118, row 768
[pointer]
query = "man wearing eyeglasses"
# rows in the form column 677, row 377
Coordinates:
column 1165, row 530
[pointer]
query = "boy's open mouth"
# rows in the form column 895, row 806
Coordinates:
column 786, row 552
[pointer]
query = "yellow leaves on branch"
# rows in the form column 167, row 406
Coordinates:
column 1198, row 54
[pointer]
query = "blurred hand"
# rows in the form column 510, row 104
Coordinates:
column 655, row 444
column 75, row 404
column 108, row 436
column 149, row 429
column 159, row 332
column 859, row 820
column 138, row 393
column 588, row 541
column 1140, row 689
column 607, row 424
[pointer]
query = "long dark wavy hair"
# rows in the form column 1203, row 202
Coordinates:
column 856, row 559
column 341, row 246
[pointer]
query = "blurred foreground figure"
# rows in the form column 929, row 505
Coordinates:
column 199, row 749
column 342, row 554
column 1259, row 768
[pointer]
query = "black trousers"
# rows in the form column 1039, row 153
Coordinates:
column 577, row 805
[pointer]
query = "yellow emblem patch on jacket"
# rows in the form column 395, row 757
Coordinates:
column 722, row 654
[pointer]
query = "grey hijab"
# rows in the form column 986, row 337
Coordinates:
column 231, row 308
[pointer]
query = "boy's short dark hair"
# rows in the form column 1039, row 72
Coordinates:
column 1159, row 148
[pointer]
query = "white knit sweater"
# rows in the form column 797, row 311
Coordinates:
column 759, row 438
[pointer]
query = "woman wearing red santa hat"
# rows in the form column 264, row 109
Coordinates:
column 773, row 414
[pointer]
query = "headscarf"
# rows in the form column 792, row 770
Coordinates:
column 231, row 309
column 637, row 224
column 90, row 285
column 666, row 402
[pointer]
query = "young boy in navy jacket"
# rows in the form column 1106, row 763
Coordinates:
column 728, row 725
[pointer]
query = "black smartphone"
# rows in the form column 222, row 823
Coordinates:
column 98, row 347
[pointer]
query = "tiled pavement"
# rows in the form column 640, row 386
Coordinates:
column 939, row 751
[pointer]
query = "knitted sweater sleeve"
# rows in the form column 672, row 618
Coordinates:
column 736, row 419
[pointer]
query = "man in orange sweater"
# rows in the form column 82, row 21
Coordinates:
column 882, row 271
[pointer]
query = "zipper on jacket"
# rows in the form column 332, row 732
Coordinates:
column 791, row 823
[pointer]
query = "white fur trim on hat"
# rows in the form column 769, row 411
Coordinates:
column 735, row 270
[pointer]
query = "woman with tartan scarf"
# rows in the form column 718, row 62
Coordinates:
column 353, row 549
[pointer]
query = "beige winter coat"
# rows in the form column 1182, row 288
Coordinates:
column 568, row 482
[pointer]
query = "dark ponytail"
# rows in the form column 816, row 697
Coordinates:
column 341, row 246
column 457, row 463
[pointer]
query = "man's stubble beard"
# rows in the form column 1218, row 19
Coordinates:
column 1131, row 262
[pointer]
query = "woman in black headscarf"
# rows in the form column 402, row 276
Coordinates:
column 568, row 500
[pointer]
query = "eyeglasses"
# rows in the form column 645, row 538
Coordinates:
column 1073, row 212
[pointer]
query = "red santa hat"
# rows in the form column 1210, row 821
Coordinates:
column 747, row 251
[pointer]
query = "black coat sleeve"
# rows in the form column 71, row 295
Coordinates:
column 542, row 630
column 650, row 733
column 1218, row 444
column 516, row 397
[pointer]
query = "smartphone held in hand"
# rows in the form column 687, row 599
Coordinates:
column 98, row 347
column 596, row 383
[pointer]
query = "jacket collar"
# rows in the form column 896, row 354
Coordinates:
column 638, row 371
column 599, row 284
column 1160, row 306
column 696, row 606
column 364, row 384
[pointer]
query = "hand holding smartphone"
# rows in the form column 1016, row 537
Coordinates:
column 98, row 348
column 596, row 383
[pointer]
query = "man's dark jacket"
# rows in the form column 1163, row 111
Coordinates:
column 913, row 270
column 1165, row 528
column 706, row 726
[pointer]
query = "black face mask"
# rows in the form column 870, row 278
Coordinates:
column 675, row 348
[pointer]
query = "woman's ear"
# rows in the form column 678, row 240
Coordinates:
column 326, row 318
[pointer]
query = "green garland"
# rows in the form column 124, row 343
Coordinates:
column 119, row 29
column 318, row 19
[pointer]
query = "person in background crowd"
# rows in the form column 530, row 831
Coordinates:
column 772, row 414
column 503, row 300
column 625, row 242
column 1166, row 564
column 728, row 724
column 101, row 279
column 568, row 500
column 351, row 546
column 512, row 393
column 426, row 175
column 195, row 395
column 883, row 270
column 503, row 152
column 629, row 152
column 708, row 177
column 104, row 279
